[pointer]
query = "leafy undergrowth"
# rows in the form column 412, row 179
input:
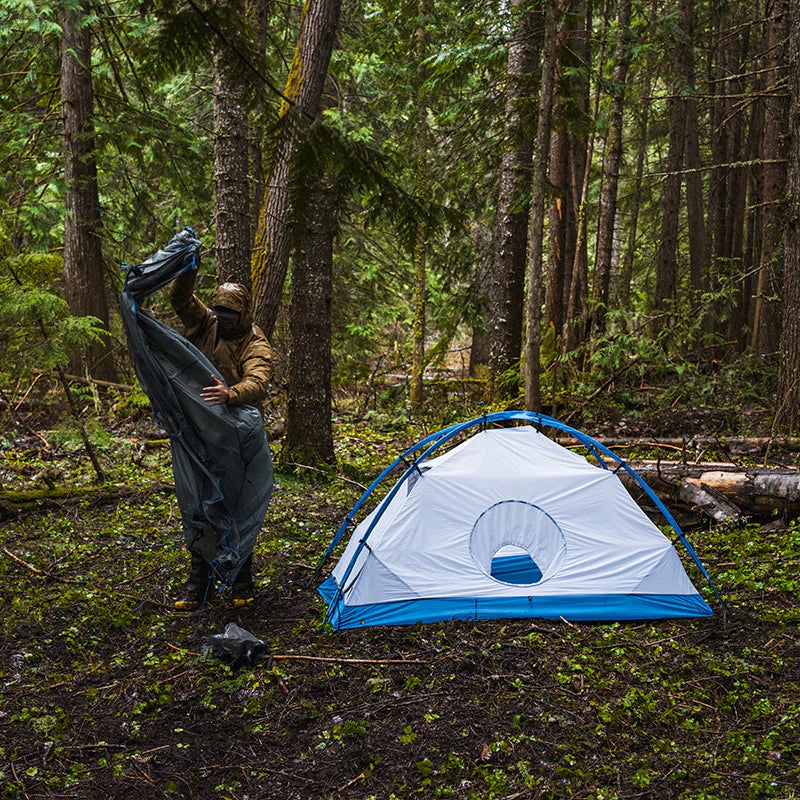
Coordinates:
column 105, row 692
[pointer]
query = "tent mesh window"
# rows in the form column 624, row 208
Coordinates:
column 515, row 541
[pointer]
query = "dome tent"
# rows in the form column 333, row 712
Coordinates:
column 508, row 524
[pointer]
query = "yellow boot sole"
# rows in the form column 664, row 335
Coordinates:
column 186, row 605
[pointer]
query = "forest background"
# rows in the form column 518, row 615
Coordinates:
column 588, row 207
column 553, row 199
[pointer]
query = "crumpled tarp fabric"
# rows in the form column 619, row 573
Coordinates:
column 220, row 455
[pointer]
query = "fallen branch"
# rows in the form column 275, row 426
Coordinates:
column 35, row 571
column 327, row 659
column 350, row 660
column 95, row 381
column 329, row 473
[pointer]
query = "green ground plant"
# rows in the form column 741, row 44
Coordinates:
column 104, row 690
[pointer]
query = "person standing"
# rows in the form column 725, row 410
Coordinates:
column 224, row 332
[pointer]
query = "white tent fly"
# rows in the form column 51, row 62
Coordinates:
column 508, row 524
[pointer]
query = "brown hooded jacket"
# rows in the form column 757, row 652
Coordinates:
column 245, row 356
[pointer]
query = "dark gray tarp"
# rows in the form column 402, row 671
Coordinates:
column 220, row 455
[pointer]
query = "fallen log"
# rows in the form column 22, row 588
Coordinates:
column 721, row 490
column 15, row 503
column 736, row 445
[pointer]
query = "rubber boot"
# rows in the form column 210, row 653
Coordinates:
column 197, row 587
column 242, row 591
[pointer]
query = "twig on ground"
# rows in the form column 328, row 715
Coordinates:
column 35, row 570
column 300, row 657
column 350, row 660
column 350, row 783
column 326, row 472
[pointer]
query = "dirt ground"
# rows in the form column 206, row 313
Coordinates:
column 105, row 692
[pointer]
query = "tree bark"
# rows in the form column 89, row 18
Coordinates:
column 612, row 158
column 667, row 254
column 568, row 104
column 582, row 154
column 84, row 288
column 309, row 434
column 623, row 284
column 231, row 161
column 559, row 223
column 481, row 238
column 766, row 322
column 506, row 286
column 420, row 293
column 533, row 392
column 788, row 411
column 257, row 12
column 695, row 215
column 303, row 95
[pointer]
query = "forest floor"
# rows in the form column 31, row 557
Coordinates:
column 105, row 692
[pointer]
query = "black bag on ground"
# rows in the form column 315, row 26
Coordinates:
column 235, row 646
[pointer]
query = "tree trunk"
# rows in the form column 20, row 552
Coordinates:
column 303, row 95
column 752, row 250
column 559, row 223
column 506, row 286
column 417, row 392
column 481, row 238
column 533, row 393
column 738, row 198
column 718, row 185
column 84, row 288
column 695, row 215
column 258, row 12
column 788, row 411
column 766, row 322
column 309, row 435
column 231, row 161
column 623, row 284
column 582, row 154
column 567, row 105
column 667, row 254
column 612, row 158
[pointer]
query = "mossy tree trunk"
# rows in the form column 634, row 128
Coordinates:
column 84, row 288
column 258, row 13
column 695, row 213
column 303, row 94
column 580, row 149
column 623, row 281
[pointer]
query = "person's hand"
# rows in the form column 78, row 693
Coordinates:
column 217, row 394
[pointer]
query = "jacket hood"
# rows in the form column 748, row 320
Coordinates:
column 235, row 296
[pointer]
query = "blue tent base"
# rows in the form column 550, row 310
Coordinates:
column 578, row 608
